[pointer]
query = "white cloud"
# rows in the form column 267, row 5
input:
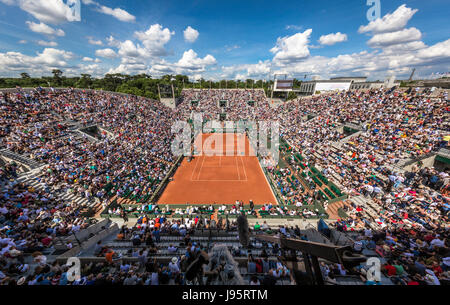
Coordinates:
column 48, row 11
column 43, row 62
column 108, row 53
column 130, row 67
column 94, row 42
column 162, row 68
column 113, row 42
column 94, row 70
column 118, row 13
column 259, row 69
column 190, row 34
column 240, row 77
column 22, row 41
column 390, row 22
column 154, row 39
column 47, row 43
column 292, row 48
column 439, row 51
column 88, row 59
column 404, row 48
column 294, row 27
column 332, row 38
column 191, row 61
column 42, row 28
column 396, row 60
column 129, row 49
column 399, row 37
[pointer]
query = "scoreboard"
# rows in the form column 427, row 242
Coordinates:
column 284, row 85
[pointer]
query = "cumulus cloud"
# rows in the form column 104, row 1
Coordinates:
column 138, row 57
column 190, row 34
column 396, row 60
column 94, row 42
column 393, row 38
column 439, row 51
column 292, row 48
column 191, row 61
column 117, row 13
column 45, row 61
column 129, row 69
column 408, row 47
column 240, row 76
column 47, row 43
column 154, row 39
column 390, row 22
column 332, row 38
column 48, row 11
column 108, row 53
column 259, row 70
column 112, row 41
column 42, row 28
column 398, row 49
column 129, row 49
column 94, row 70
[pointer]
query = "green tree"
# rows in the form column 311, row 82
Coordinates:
column 84, row 82
column 25, row 75
column 57, row 74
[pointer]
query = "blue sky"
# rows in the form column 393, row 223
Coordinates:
column 225, row 39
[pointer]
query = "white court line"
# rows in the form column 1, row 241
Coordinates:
column 245, row 171
column 201, row 167
column 232, row 166
column 237, row 168
column 195, row 167
column 220, row 180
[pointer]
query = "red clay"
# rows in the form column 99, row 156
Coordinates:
column 219, row 179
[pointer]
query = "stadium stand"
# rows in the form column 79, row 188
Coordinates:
column 69, row 155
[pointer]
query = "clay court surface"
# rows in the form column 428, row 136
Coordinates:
column 227, row 170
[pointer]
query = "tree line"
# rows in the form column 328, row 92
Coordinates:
column 140, row 85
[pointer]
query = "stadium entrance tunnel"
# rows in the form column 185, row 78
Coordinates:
column 92, row 131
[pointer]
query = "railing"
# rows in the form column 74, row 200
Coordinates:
column 352, row 127
column 444, row 152
column 327, row 185
column 342, row 198
column 275, row 191
column 163, row 183
column 27, row 162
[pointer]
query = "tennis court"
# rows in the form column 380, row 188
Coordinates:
column 225, row 169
